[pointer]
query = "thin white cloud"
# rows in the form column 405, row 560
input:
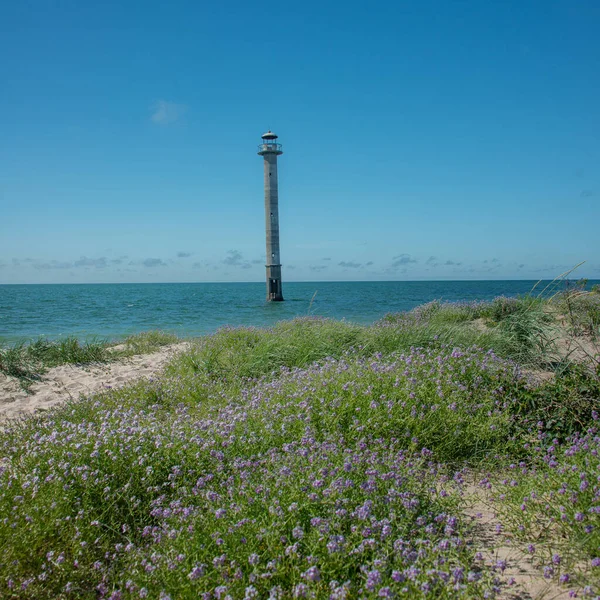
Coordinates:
column 165, row 112
column 84, row 261
column 402, row 260
column 154, row 262
column 53, row 264
column 235, row 258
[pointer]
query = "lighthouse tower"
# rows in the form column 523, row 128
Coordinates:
column 270, row 150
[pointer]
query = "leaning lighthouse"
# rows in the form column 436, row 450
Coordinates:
column 270, row 150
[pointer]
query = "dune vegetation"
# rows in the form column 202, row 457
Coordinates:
column 317, row 459
column 28, row 362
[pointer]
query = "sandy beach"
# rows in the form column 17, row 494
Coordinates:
column 70, row 381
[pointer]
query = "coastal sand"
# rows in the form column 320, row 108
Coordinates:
column 70, row 381
column 519, row 578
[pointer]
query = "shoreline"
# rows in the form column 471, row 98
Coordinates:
column 115, row 311
column 68, row 381
column 84, row 370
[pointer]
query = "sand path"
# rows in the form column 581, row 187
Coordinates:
column 520, row 578
column 70, row 381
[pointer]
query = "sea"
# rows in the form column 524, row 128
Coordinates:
column 114, row 311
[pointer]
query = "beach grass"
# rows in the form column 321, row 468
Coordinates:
column 313, row 459
column 27, row 362
column 581, row 310
column 551, row 505
column 518, row 329
column 175, row 485
column 146, row 342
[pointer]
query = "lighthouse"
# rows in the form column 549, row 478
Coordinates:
column 270, row 150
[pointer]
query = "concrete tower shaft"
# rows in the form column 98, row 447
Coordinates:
column 270, row 150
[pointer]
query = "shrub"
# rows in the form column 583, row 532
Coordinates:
column 320, row 480
column 565, row 405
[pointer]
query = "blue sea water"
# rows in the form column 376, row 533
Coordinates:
column 113, row 311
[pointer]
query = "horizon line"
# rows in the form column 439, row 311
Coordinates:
column 299, row 281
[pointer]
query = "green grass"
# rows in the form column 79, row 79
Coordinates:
column 581, row 311
column 248, row 353
column 239, row 472
column 520, row 329
column 523, row 333
column 147, row 342
column 565, row 405
column 28, row 362
column 263, row 454
column 551, row 505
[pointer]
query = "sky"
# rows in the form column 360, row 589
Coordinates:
column 438, row 139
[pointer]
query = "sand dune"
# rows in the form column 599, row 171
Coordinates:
column 70, row 381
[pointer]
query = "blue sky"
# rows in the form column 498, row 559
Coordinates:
column 446, row 139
